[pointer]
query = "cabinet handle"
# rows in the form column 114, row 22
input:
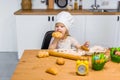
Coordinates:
column 118, row 18
column 48, row 18
column 52, row 18
column 46, row 2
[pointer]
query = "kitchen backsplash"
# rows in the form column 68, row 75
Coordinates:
column 104, row 4
column 86, row 4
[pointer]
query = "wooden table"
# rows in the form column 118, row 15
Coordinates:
column 32, row 68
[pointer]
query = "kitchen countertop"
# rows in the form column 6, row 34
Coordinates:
column 54, row 12
column 32, row 68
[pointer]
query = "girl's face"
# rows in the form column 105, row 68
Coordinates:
column 61, row 28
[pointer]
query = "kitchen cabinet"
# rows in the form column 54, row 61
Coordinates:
column 100, row 30
column 51, row 21
column 118, row 31
column 31, row 30
column 78, row 28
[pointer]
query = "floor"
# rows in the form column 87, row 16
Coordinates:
column 8, row 62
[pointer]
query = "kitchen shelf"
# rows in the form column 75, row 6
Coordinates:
column 54, row 12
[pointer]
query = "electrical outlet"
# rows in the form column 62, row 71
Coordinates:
column 105, row 3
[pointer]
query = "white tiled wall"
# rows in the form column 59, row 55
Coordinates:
column 104, row 4
column 8, row 40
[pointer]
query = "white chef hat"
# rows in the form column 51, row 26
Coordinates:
column 66, row 18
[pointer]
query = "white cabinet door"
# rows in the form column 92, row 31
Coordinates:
column 78, row 28
column 118, row 30
column 30, row 31
column 52, row 20
column 100, row 30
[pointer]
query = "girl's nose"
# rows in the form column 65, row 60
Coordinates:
column 58, row 28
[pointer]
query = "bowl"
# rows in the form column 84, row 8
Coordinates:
column 98, row 66
column 115, row 58
column 98, row 61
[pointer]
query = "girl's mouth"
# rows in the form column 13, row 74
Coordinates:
column 59, row 31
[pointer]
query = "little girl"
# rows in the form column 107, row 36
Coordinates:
column 63, row 23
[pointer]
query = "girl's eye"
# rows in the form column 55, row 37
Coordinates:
column 59, row 26
column 56, row 26
column 62, row 26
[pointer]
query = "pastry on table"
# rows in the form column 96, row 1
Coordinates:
column 57, row 34
column 60, row 61
column 42, row 54
column 52, row 70
column 64, row 55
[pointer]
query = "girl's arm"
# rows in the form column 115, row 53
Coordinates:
column 54, row 44
column 87, row 43
column 77, row 45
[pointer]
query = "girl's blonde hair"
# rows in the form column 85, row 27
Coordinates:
column 66, row 33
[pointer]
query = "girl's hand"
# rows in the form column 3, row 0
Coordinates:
column 87, row 44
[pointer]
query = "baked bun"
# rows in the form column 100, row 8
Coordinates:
column 84, row 48
column 42, row 54
column 57, row 34
column 60, row 61
column 117, row 53
column 52, row 70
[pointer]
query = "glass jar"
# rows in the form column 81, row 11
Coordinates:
column 75, row 5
